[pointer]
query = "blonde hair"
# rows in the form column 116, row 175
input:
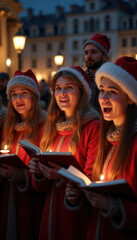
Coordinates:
column 54, row 114
column 31, row 123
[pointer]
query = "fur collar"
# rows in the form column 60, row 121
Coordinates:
column 91, row 114
column 21, row 126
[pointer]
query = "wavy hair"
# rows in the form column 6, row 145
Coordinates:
column 31, row 123
column 54, row 114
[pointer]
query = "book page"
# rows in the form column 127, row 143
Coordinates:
column 79, row 174
column 26, row 144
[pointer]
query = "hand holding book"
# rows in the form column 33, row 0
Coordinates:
column 118, row 188
column 63, row 159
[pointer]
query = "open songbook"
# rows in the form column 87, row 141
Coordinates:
column 118, row 188
column 64, row 159
column 12, row 160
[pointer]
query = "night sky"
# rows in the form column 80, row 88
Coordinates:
column 48, row 6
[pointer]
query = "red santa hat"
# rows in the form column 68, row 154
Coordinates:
column 123, row 72
column 26, row 79
column 78, row 74
column 101, row 41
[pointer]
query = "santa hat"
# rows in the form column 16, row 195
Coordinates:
column 79, row 74
column 123, row 72
column 101, row 41
column 26, row 79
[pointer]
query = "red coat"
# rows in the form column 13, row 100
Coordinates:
column 28, row 206
column 57, row 221
column 128, row 229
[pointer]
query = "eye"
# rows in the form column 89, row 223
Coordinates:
column 13, row 95
column 57, row 88
column 70, row 87
column 112, row 92
column 24, row 92
column 101, row 91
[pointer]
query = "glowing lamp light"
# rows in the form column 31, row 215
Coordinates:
column 19, row 42
column 59, row 58
column 8, row 62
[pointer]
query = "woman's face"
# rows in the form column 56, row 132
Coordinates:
column 21, row 99
column 67, row 95
column 113, row 102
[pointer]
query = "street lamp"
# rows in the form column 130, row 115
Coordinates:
column 19, row 44
column 59, row 58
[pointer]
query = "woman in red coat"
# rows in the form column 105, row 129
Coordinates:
column 20, row 213
column 72, row 125
column 115, row 217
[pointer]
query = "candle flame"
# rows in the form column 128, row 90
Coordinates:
column 102, row 177
column 5, row 147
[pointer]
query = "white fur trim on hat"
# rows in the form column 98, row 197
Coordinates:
column 22, row 80
column 97, row 44
column 120, row 76
column 80, row 77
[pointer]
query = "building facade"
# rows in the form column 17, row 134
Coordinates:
column 67, row 31
column 9, row 25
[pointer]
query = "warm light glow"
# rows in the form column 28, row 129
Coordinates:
column 136, row 56
column 59, row 59
column 5, row 150
column 8, row 62
column 19, row 42
column 39, row 77
column 53, row 73
column 102, row 177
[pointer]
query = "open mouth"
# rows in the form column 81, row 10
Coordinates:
column 107, row 110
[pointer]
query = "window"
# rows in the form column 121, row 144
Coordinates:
column 124, row 42
column 49, row 30
column 61, row 46
column 33, row 47
column 133, row 42
column 49, row 63
column 92, row 6
column 107, row 23
column 91, row 25
column 86, row 26
column 49, row 47
column 75, row 26
column 75, row 45
column 124, row 25
column 97, row 25
column 34, row 63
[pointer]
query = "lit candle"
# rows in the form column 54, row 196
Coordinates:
column 102, row 177
column 50, row 150
column 5, row 150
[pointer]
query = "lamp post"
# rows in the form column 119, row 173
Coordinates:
column 59, row 58
column 19, row 44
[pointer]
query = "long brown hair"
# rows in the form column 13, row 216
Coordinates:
column 31, row 123
column 124, row 146
column 54, row 114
